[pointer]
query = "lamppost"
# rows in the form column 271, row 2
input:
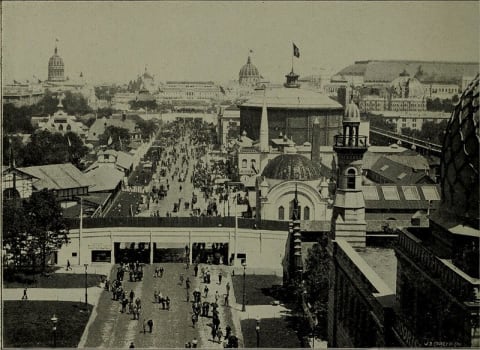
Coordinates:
column 257, row 329
column 54, row 320
column 86, row 290
column 244, row 264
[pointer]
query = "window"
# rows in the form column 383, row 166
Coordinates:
column 244, row 163
column 253, row 165
column 351, row 173
column 281, row 213
column 306, row 213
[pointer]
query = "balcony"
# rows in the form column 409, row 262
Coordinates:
column 453, row 280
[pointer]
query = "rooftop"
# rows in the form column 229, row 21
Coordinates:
column 384, row 262
column 105, row 178
column 425, row 71
column 412, row 197
column 57, row 176
column 292, row 98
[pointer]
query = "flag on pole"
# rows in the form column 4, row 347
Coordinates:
column 109, row 142
column 296, row 51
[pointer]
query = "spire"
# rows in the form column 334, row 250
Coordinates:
column 295, row 205
column 264, row 141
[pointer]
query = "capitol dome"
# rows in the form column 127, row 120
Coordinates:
column 292, row 167
column 460, row 162
column 406, row 87
column 248, row 74
column 56, row 68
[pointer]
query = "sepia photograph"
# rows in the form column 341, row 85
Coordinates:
column 240, row 174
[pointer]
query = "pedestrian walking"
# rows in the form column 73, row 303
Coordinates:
column 194, row 343
column 25, row 297
column 132, row 295
column 69, row 267
column 194, row 319
column 228, row 288
column 225, row 300
column 167, row 302
column 150, row 326
column 195, row 269
column 216, row 297
column 214, row 334
column 205, row 290
column 220, row 277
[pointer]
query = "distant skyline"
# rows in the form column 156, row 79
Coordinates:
column 113, row 42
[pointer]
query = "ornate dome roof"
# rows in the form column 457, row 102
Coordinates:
column 292, row 167
column 248, row 71
column 460, row 162
column 405, row 86
column 55, row 60
column 352, row 113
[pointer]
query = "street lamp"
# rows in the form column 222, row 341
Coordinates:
column 244, row 264
column 257, row 329
column 86, row 290
column 54, row 320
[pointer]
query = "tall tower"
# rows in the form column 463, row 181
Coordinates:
column 264, row 125
column 348, row 219
column 264, row 139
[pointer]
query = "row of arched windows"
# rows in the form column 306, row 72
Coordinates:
column 306, row 213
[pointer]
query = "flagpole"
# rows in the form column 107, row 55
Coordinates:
column 293, row 53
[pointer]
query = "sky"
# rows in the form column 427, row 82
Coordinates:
column 113, row 42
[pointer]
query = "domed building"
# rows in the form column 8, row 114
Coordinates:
column 287, row 176
column 405, row 86
column 56, row 67
column 248, row 75
column 293, row 111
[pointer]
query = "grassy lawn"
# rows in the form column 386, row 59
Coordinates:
column 54, row 280
column 28, row 324
column 274, row 333
column 258, row 288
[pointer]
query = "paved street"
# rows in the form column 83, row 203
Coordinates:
column 113, row 329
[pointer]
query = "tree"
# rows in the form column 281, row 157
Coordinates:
column 47, row 148
column 76, row 149
column 316, row 276
column 151, row 105
column 147, row 127
column 12, row 146
column 380, row 122
column 17, row 119
column 116, row 134
column 34, row 229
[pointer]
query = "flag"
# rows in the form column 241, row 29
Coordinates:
column 296, row 51
column 109, row 142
